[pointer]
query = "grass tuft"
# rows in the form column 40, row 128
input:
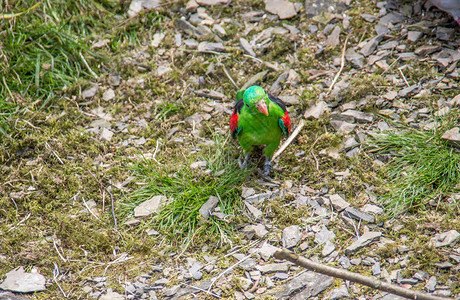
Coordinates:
column 422, row 167
column 188, row 189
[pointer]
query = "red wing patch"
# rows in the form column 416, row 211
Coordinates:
column 287, row 122
column 234, row 124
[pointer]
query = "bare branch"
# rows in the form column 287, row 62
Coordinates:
column 354, row 277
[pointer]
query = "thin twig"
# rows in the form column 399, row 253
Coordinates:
column 228, row 270
column 342, row 64
column 203, row 290
column 20, row 222
column 404, row 77
column 316, row 160
column 102, row 188
column 155, row 153
column 56, row 273
column 89, row 209
column 354, row 277
column 228, row 75
column 289, row 140
column 57, row 250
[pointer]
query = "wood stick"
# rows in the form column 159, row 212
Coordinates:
column 354, row 277
column 289, row 140
column 342, row 64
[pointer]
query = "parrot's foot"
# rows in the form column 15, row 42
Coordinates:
column 244, row 163
column 267, row 166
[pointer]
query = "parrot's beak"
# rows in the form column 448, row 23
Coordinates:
column 262, row 107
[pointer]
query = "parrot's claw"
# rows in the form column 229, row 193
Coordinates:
column 267, row 166
column 244, row 163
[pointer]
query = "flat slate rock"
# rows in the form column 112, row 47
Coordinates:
column 308, row 284
column 283, row 8
column 18, row 280
column 10, row 296
column 363, row 241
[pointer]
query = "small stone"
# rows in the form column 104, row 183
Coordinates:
column 333, row 39
column 376, row 270
column 324, row 235
column 114, row 79
column 245, row 283
column 342, row 126
column 217, row 28
column 350, row 143
column 244, row 44
column 161, row 70
column 157, row 38
column 372, row 209
column 328, row 248
column 339, row 293
column 430, row 286
column 421, row 276
column 366, row 239
column 267, row 251
column 149, row 207
column 392, row 18
column 191, row 5
column 151, row 232
column 195, row 271
column 338, row 203
column 358, row 215
column 90, row 92
column 17, row 280
column 452, row 136
column 443, row 265
column 445, row 34
column 316, row 111
column 208, row 207
column 291, row 236
column 414, row 36
column 199, row 164
column 444, row 239
column 108, row 95
column 257, row 213
column 112, row 296
column 208, row 46
column 312, row 284
column 283, row 8
column 273, row 268
column 408, row 90
column 106, row 135
column 359, row 116
column 427, row 50
column 344, row 262
column 371, row 45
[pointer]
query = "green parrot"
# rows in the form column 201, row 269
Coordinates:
column 259, row 119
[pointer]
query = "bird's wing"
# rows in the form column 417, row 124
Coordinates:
column 234, row 128
column 284, row 121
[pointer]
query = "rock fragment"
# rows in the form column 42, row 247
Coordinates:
column 273, row 268
column 444, row 239
column 312, row 284
column 452, row 136
column 90, row 92
column 291, row 236
column 244, row 44
column 17, row 280
column 316, row 111
column 208, row 207
column 363, row 241
column 149, row 207
column 283, row 8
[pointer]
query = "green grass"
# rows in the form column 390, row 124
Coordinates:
column 45, row 48
column 422, row 167
column 188, row 190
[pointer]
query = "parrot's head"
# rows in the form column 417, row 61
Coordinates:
column 256, row 98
